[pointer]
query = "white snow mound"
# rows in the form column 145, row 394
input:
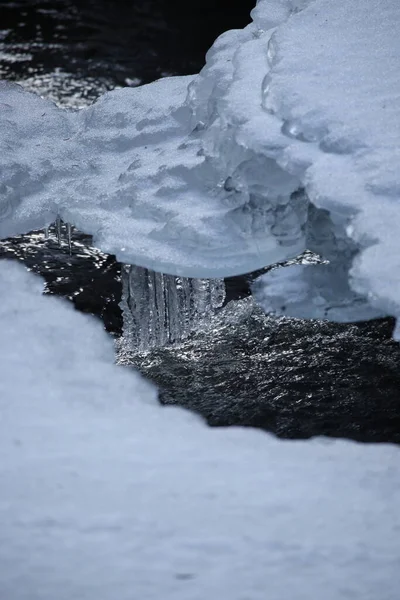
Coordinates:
column 105, row 494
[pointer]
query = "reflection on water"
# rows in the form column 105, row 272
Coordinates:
column 295, row 378
column 74, row 50
column 75, row 271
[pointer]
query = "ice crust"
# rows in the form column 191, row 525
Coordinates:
column 287, row 139
column 105, row 494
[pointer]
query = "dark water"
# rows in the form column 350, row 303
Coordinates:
column 73, row 50
column 295, row 378
column 292, row 377
column 87, row 277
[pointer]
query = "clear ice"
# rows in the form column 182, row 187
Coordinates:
column 160, row 309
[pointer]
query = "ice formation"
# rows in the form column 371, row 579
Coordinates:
column 133, row 171
column 288, row 139
column 106, row 494
column 284, row 141
column 161, row 309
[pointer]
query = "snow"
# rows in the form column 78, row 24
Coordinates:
column 337, row 97
column 106, row 494
column 139, row 174
column 288, row 139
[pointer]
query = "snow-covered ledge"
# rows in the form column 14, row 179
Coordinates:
column 288, row 139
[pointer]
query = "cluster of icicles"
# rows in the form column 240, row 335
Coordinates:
column 161, row 309
column 59, row 226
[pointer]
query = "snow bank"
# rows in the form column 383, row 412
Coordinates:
column 105, row 494
column 333, row 86
column 288, row 139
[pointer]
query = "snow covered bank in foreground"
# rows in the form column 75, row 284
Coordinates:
column 288, row 139
column 105, row 494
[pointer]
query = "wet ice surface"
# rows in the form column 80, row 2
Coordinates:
column 160, row 310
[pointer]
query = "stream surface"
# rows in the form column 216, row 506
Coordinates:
column 292, row 377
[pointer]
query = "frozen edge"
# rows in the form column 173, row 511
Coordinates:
column 356, row 213
column 268, row 136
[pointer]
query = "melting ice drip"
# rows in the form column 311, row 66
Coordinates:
column 161, row 309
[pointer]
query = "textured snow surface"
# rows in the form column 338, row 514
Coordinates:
column 288, row 139
column 334, row 87
column 157, row 182
column 105, row 494
column 131, row 170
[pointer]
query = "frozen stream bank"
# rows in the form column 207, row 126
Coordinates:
column 105, row 494
column 296, row 378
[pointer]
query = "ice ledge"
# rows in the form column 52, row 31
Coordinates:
column 342, row 120
column 288, row 139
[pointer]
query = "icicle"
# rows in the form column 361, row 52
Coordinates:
column 152, row 308
column 201, row 298
column 69, row 236
column 58, row 229
column 185, row 306
column 139, row 306
column 217, row 293
column 173, row 309
column 46, row 233
column 159, row 309
column 128, row 326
